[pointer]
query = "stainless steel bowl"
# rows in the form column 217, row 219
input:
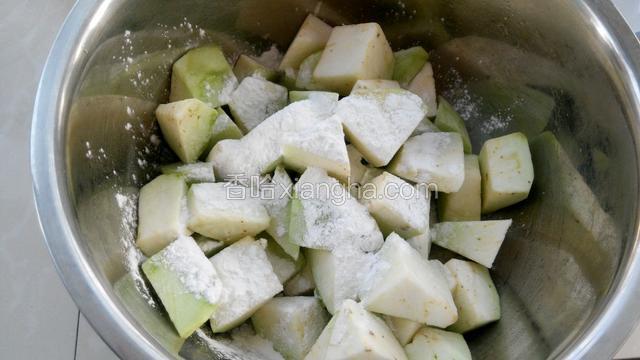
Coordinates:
column 569, row 289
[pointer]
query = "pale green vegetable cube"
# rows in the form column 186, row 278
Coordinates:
column 249, row 282
column 311, row 37
column 434, row 159
column 324, row 216
column 277, row 202
column 203, row 74
column 161, row 213
column 354, row 52
column 435, row 344
column 224, row 128
column 507, row 171
column 475, row 296
column 448, row 120
column 327, row 151
column 255, row 100
column 424, row 85
column 284, row 266
column 186, row 125
column 479, row 241
column 397, row 205
column 403, row 329
column 304, row 95
column 466, row 203
column 292, row 324
column 355, row 333
column 187, row 284
column 134, row 295
column 305, row 80
column 355, row 164
column 402, row 284
column 246, row 66
column 208, row 246
column 302, row 283
column 377, row 122
column 338, row 274
column 221, row 212
column 193, row 173
column 408, row 64
column 366, row 85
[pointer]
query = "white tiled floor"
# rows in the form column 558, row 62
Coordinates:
column 37, row 317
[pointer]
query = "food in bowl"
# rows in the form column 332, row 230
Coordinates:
column 321, row 243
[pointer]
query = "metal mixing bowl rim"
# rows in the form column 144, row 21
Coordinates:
column 598, row 339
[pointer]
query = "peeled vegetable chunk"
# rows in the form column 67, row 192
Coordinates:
column 355, row 333
column 324, row 148
column 224, row 128
column 305, row 80
column 208, row 246
column 431, row 343
column 366, row 85
column 255, row 100
column 402, row 284
column 302, row 283
column 161, row 213
column 219, row 213
column 292, row 324
column 432, row 159
column 192, row 173
column 304, row 95
column 249, row 282
column 307, row 125
column 284, row 266
column 475, row 296
column 354, row 52
column 312, row 37
column 448, row 120
column 324, row 216
column 186, row 125
column 355, row 164
column 507, row 171
column 403, row 329
column 246, row 66
column 187, row 284
column 277, row 205
column 379, row 121
column 203, row 74
column 397, row 206
column 338, row 274
column 479, row 241
column 408, row 64
column 424, row 86
column 466, row 204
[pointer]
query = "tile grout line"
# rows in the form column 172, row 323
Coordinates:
column 75, row 348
